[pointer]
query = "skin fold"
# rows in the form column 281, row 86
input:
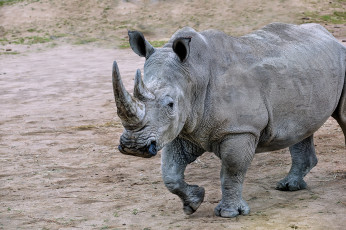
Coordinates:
column 233, row 96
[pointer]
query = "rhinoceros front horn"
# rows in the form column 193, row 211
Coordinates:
column 130, row 110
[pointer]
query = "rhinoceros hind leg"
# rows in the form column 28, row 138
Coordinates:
column 303, row 160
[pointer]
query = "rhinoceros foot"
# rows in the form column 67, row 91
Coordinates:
column 232, row 209
column 195, row 197
column 290, row 183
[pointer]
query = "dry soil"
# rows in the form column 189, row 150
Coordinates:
column 60, row 168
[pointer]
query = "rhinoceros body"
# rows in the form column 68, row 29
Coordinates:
column 233, row 96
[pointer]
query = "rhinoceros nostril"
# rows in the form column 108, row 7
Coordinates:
column 120, row 148
column 152, row 148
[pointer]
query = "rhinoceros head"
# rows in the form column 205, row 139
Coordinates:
column 157, row 111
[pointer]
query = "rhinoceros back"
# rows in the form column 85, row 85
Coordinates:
column 280, row 83
column 301, row 78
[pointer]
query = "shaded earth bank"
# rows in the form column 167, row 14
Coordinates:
column 105, row 22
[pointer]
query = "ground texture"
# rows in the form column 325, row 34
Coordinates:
column 60, row 168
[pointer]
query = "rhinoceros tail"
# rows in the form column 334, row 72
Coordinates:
column 340, row 113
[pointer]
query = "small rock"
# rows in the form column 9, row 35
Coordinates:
column 8, row 49
column 343, row 40
column 306, row 18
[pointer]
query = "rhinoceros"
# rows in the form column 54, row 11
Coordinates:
column 233, row 96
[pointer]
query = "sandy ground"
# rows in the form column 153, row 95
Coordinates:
column 59, row 163
column 60, row 169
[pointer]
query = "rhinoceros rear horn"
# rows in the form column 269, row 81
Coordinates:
column 130, row 110
column 141, row 91
column 139, row 45
column 181, row 46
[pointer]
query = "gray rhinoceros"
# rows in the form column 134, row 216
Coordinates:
column 233, row 96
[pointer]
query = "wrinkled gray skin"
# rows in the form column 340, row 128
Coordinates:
column 234, row 96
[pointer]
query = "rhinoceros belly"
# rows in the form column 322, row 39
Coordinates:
column 300, row 97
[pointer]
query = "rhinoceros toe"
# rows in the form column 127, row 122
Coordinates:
column 291, row 184
column 232, row 210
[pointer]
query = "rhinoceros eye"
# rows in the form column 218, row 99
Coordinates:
column 168, row 103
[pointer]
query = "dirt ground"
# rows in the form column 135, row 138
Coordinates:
column 59, row 163
column 60, row 168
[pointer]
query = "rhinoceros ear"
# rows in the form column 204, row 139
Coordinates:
column 139, row 45
column 181, row 46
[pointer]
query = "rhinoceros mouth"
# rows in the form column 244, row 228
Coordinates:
column 145, row 152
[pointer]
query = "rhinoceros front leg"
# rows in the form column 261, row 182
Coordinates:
column 175, row 157
column 303, row 160
column 236, row 154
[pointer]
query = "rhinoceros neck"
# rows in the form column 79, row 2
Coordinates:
column 214, row 107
